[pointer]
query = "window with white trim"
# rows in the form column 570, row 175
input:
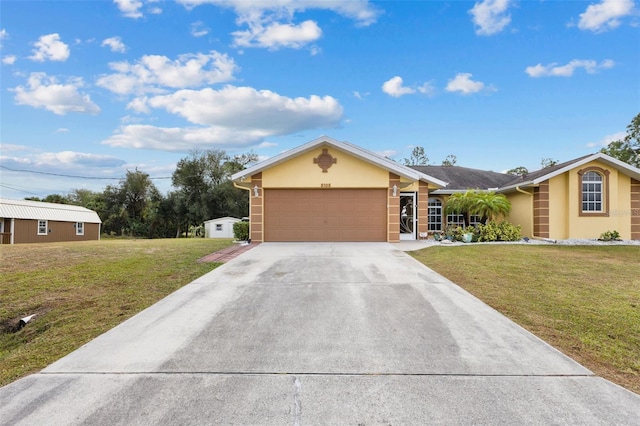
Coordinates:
column 42, row 227
column 592, row 192
column 455, row 219
column 434, row 213
column 458, row 220
column 218, row 227
column 79, row 228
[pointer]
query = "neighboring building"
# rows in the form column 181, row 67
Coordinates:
column 36, row 222
column 328, row 190
column 220, row 228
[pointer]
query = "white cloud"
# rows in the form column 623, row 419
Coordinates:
column 427, row 89
column 198, row 29
column 607, row 140
column 155, row 73
column 463, row 83
column 605, row 15
column 179, row 139
column 271, row 22
column 49, row 47
column 62, row 130
column 62, row 161
column 388, row 153
column 9, row 59
column 45, row 92
column 393, row 87
column 246, row 107
column 3, row 35
column 231, row 116
column 267, row 145
column 490, row 16
column 276, row 35
column 555, row 70
column 130, row 8
column 359, row 95
column 115, row 44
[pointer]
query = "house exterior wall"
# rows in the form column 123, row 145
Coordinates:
column 541, row 210
column 566, row 219
column 522, row 211
column 393, row 210
column 560, row 195
column 347, row 172
column 256, row 209
column 635, row 209
column 26, row 231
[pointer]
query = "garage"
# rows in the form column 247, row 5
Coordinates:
column 325, row 215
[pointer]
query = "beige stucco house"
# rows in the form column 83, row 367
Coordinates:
column 327, row 190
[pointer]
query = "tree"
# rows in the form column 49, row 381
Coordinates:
column 628, row 148
column 417, row 158
column 451, row 160
column 205, row 189
column 131, row 207
column 518, row 171
column 487, row 205
column 548, row 162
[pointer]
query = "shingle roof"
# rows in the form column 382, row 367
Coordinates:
column 543, row 172
column 23, row 209
column 464, row 178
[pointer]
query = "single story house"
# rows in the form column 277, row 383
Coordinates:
column 220, row 228
column 24, row 221
column 327, row 190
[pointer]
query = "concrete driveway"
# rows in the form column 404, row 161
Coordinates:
column 308, row 334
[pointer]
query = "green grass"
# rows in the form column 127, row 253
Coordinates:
column 80, row 290
column 584, row 300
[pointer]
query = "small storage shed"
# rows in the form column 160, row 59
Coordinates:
column 23, row 221
column 220, row 228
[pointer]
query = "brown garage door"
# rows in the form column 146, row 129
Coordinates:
column 325, row 214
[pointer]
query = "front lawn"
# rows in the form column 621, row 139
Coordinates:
column 78, row 291
column 583, row 300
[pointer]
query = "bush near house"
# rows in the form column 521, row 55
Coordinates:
column 491, row 231
column 241, row 231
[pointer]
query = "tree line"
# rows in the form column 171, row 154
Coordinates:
column 135, row 207
column 203, row 190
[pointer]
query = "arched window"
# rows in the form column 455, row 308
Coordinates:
column 434, row 215
column 594, row 197
column 591, row 192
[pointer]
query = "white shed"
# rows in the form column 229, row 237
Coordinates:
column 220, row 228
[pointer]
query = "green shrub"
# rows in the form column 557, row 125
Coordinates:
column 610, row 236
column 241, row 231
column 494, row 231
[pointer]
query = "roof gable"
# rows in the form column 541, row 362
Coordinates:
column 354, row 150
column 541, row 175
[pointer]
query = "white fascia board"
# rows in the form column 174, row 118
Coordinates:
column 625, row 168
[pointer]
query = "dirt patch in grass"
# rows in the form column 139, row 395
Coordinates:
column 583, row 300
column 77, row 291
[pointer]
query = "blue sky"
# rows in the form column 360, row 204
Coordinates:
column 95, row 88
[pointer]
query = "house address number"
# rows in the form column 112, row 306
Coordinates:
column 325, row 185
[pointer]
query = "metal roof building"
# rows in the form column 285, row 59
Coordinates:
column 23, row 221
column 23, row 209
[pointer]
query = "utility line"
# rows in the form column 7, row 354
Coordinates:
column 73, row 176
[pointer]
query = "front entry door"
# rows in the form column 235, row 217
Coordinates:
column 408, row 217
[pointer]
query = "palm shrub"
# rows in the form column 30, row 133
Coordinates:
column 488, row 205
